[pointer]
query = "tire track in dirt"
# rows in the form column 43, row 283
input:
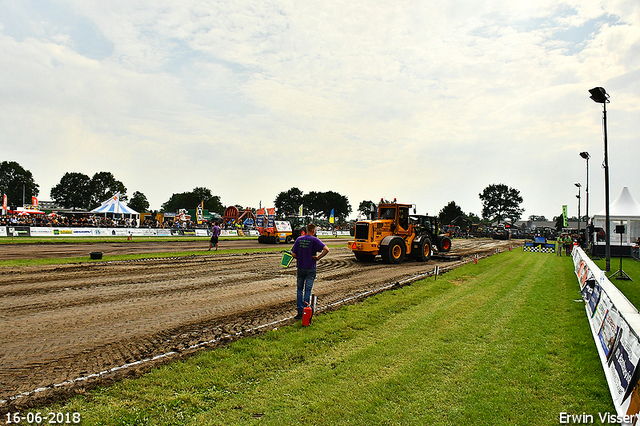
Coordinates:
column 61, row 323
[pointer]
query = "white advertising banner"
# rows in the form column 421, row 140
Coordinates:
column 283, row 226
column 44, row 231
column 615, row 326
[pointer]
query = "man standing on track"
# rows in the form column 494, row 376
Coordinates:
column 305, row 251
column 215, row 233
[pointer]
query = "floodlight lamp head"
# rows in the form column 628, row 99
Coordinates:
column 585, row 155
column 577, row 184
column 599, row 95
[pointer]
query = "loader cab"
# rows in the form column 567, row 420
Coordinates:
column 387, row 213
column 399, row 214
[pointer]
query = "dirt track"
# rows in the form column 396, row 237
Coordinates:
column 61, row 323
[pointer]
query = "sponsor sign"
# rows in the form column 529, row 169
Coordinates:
column 271, row 218
column 260, row 220
column 18, row 231
column 283, row 226
column 43, row 231
column 615, row 326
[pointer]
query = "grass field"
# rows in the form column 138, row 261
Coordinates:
column 503, row 342
column 631, row 289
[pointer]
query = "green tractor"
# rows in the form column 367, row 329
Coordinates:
column 429, row 226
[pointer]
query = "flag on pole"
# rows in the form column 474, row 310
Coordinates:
column 260, row 220
column 34, row 201
column 200, row 213
column 271, row 219
column 331, row 218
column 4, row 202
column 565, row 223
column 300, row 210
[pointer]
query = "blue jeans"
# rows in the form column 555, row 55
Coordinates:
column 306, row 277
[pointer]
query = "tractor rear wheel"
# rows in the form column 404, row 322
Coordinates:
column 444, row 244
column 394, row 252
column 422, row 249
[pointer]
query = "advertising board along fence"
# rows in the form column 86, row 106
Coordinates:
column 42, row 231
column 45, row 231
column 615, row 326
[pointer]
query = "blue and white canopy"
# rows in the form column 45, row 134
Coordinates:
column 113, row 205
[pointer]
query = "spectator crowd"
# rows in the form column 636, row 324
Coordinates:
column 54, row 220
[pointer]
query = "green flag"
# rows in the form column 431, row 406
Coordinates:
column 564, row 216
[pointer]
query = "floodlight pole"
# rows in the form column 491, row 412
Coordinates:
column 586, row 156
column 599, row 95
column 607, row 229
column 578, row 197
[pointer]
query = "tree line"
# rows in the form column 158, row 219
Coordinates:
column 79, row 191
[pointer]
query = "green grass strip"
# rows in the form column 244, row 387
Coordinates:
column 499, row 343
column 631, row 289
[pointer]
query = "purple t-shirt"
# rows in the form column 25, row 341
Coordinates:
column 215, row 231
column 305, row 248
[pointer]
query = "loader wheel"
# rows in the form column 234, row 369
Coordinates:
column 365, row 257
column 444, row 244
column 394, row 252
column 422, row 250
column 288, row 239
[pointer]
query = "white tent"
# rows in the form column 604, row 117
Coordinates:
column 624, row 210
column 114, row 206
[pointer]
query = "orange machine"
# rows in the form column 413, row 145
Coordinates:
column 396, row 234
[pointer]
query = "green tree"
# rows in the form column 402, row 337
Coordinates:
column 104, row 185
column 190, row 200
column 289, row 202
column 559, row 223
column 365, row 208
column 500, row 202
column 139, row 202
column 16, row 181
column 474, row 218
column 320, row 204
column 452, row 213
column 73, row 191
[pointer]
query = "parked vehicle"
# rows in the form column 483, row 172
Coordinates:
column 397, row 234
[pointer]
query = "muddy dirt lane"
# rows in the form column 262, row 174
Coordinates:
column 61, row 323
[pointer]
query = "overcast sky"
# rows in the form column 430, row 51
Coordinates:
column 424, row 101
